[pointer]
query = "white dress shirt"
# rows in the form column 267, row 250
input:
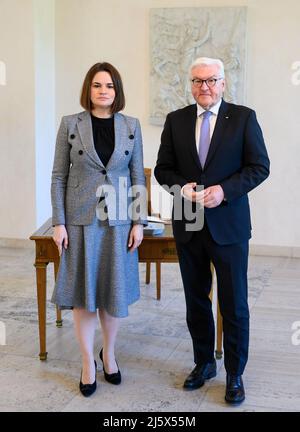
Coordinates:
column 212, row 122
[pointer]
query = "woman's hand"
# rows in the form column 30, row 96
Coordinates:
column 135, row 237
column 60, row 236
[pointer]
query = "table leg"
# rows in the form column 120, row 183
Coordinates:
column 148, row 270
column 41, row 281
column 158, row 280
column 59, row 320
column 219, row 351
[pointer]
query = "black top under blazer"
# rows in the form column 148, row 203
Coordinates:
column 237, row 160
column 78, row 175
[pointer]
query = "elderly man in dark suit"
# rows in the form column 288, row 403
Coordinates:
column 220, row 146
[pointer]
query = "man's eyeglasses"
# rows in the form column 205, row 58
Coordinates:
column 210, row 82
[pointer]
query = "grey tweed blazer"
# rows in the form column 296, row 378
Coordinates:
column 78, row 172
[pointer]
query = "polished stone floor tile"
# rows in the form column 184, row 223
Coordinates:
column 30, row 385
column 154, row 349
column 276, row 342
column 140, row 391
column 273, row 319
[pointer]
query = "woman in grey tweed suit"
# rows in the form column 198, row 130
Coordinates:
column 98, row 167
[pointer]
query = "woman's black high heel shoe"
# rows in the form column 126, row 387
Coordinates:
column 88, row 389
column 114, row 378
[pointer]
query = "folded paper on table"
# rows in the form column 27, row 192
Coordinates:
column 159, row 220
column 154, row 219
column 154, row 228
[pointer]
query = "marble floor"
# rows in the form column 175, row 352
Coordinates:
column 154, row 350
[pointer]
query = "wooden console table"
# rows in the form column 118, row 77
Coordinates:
column 158, row 249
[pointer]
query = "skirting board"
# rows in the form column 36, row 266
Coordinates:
column 276, row 251
column 17, row 243
column 261, row 250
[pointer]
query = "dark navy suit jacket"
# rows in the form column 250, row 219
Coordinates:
column 237, row 160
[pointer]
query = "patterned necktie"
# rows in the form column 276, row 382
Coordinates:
column 204, row 140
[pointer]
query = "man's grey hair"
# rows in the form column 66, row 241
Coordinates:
column 206, row 61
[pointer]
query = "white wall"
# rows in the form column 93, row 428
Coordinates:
column 118, row 31
column 27, row 114
column 17, row 154
column 44, row 104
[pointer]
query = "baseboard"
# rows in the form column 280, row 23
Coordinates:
column 16, row 243
column 276, row 251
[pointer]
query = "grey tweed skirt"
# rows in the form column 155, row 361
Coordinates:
column 97, row 271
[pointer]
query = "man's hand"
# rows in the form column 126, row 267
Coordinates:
column 212, row 196
column 60, row 236
column 135, row 237
column 189, row 193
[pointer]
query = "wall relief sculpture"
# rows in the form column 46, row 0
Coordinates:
column 177, row 37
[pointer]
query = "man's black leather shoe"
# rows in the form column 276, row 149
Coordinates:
column 199, row 374
column 235, row 393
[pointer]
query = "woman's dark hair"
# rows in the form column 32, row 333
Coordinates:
column 85, row 97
